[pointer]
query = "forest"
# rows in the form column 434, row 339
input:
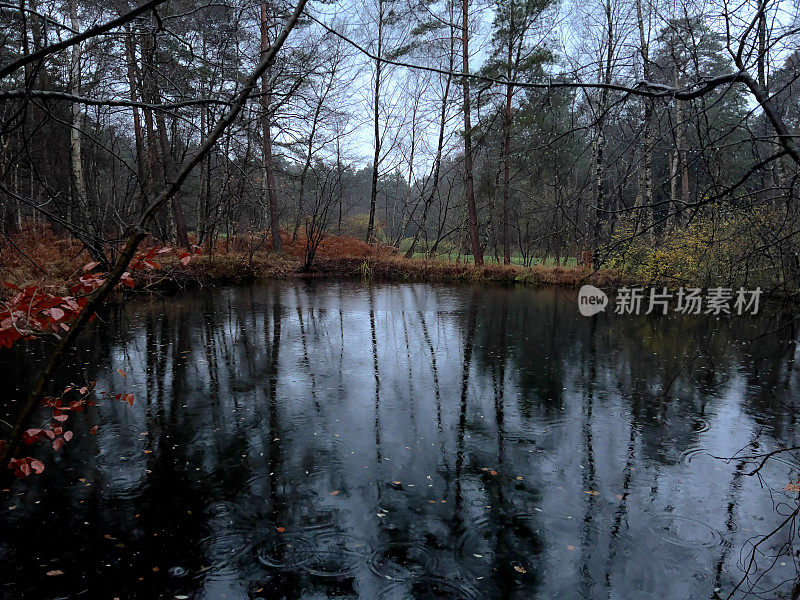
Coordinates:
column 349, row 299
column 658, row 139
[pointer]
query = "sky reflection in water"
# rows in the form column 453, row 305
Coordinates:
column 340, row 440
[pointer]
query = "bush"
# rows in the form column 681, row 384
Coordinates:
column 732, row 248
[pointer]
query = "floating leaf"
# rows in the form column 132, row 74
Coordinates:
column 54, row 572
column 121, row 372
column 335, row 493
column 592, row 492
column 519, row 569
column 572, row 547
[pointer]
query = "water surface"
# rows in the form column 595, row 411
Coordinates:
column 324, row 440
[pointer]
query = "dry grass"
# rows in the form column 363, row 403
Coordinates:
column 243, row 259
column 37, row 256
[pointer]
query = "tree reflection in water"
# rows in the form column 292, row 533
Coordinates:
column 345, row 440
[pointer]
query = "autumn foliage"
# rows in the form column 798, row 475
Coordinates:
column 33, row 311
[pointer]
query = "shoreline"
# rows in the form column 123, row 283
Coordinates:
column 236, row 269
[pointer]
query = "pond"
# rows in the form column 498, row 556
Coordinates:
column 319, row 439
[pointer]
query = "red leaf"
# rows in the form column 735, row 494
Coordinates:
column 128, row 398
column 11, row 285
column 31, row 435
column 93, row 430
column 185, row 260
column 121, row 372
column 57, row 443
column 67, row 435
column 37, row 466
column 83, row 390
column 61, row 418
column 57, row 313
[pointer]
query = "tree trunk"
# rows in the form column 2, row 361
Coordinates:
column 138, row 132
column 645, row 195
column 269, row 174
column 507, row 173
column 469, row 183
column 437, row 165
column 373, row 194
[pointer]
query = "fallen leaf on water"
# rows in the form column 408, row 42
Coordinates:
column 572, row 547
column 592, row 493
column 519, row 569
column 619, row 496
column 54, row 573
column 155, row 569
column 281, row 529
column 335, row 493
column 519, row 478
column 121, row 372
column 492, row 472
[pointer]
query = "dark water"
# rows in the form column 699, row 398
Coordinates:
column 339, row 440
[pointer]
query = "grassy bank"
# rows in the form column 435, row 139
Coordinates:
column 39, row 257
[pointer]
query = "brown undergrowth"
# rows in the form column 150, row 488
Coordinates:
column 37, row 256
